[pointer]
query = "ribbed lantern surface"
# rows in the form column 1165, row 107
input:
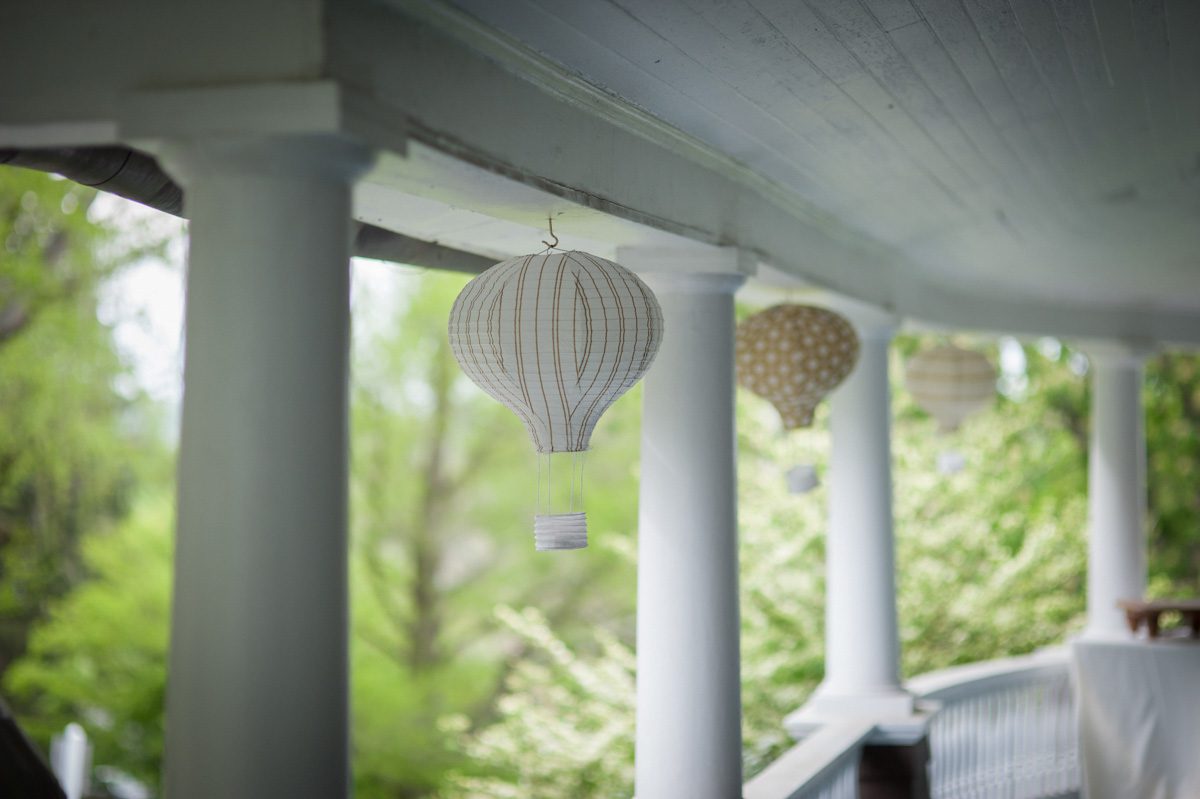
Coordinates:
column 793, row 355
column 557, row 337
column 950, row 383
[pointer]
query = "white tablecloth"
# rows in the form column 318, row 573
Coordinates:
column 1139, row 718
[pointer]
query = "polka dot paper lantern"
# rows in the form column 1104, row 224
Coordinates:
column 793, row 355
column 557, row 337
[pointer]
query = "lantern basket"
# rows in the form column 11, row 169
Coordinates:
column 560, row 531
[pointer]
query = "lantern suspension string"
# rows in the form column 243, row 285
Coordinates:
column 577, row 466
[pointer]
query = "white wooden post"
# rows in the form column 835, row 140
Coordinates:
column 1116, row 488
column 689, row 740
column 70, row 759
column 257, row 692
column 862, row 648
column 862, row 644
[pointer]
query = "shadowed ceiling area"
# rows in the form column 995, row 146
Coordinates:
column 1038, row 147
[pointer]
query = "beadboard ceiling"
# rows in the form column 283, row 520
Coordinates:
column 1040, row 148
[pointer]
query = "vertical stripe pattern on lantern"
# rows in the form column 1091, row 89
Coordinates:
column 557, row 337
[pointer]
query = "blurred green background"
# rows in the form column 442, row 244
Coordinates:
column 481, row 668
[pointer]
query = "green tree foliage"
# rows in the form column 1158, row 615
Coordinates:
column 442, row 495
column 565, row 725
column 1173, row 447
column 991, row 562
column 68, row 450
column 513, row 670
column 422, row 547
column 443, row 489
column 100, row 657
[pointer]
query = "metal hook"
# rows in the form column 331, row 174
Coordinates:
column 553, row 246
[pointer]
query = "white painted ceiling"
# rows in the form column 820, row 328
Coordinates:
column 1039, row 148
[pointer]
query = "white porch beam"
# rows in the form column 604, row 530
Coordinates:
column 1116, row 488
column 79, row 97
column 689, row 738
column 257, row 695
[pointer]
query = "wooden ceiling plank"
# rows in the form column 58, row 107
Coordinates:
column 655, row 73
column 935, row 67
column 1154, row 63
column 892, row 14
column 1107, row 76
column 871, row 167
column 1183, row 37
column 849, row 109
column 960, row 38
column 772, row 73
column 811, row 39
column 954, row 28
column 1001, row 34
column 751, row 78
column 1133, row 37
column 921, row 108
column 882, row 106
column 1039, row 28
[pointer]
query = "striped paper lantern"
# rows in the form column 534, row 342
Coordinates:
column 793, row 355
column 557, row 337
column 950, row 383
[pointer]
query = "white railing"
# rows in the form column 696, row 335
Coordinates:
column 1005, row 729
column 822, row 766
column 1002, row 729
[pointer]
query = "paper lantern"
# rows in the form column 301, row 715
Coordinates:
column 950, row 383
column 793, row 355
column 557, row 337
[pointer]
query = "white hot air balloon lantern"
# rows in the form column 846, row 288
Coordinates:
column 950, row 383
column 792, row 356
column 557, row 337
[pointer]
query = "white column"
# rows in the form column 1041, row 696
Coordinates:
column 689, row 737
column 862, row 645
column 257, row 689
column 1116, row 488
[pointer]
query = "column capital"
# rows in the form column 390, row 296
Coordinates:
column 322, row 156
column 148, row 116
column 693, row 282
column 1119, row 352
column 663, row 264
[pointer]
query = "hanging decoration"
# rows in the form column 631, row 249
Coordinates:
column 792, row 356
column 950, row 383
column 557, row 337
